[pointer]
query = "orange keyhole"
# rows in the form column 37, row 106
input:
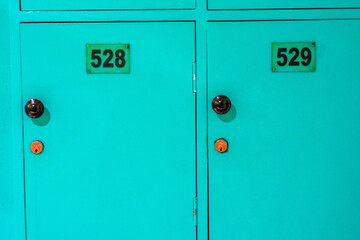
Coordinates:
column 221, row 145
column 36, row 147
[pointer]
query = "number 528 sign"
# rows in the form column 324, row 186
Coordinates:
column 107, row 58
column 293, row 57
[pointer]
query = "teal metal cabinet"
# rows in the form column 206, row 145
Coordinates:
column 105, row 4
column 282, row 4
column 119, row 149
column 6, row 171
column 292, row 170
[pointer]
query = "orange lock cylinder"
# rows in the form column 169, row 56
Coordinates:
column 36, row 147
column 221, row 145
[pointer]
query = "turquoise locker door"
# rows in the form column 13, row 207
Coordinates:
column 292, row 169
column 281, row 4
column 119, row 149
column 31, row 5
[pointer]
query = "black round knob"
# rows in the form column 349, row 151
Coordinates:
column 34, row 108
column 221, row 104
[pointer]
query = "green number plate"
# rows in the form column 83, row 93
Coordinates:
column 107, row 58
column 293, row 57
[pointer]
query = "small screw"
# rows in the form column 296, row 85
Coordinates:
column 127, row 46
column 313, row 44
column 274, row 69
column 87, row 45
column 88, row 70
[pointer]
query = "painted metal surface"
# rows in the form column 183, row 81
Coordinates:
column 119, row 156
column 282, row 4
column 12, row 199
column 292, row 170
column 105, row 4
column 7, row 202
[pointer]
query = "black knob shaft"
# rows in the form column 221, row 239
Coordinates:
column 34, row 108
column 221, row 104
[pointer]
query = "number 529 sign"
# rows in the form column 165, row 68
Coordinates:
column 107, row 58
column 293, row 57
